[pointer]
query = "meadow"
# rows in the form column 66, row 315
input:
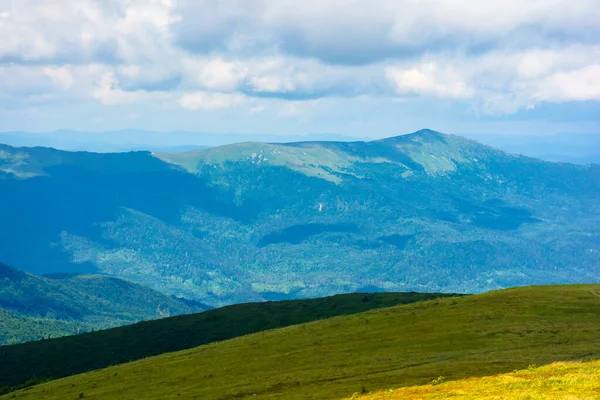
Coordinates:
column 406, row 345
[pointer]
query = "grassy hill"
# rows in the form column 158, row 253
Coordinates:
column 75, row 354
column 557, row 381
column 33, row 307
column 406, row 345
column 423, row 212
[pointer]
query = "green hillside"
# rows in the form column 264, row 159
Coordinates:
column 424, row 212
column 33, row 308
column 75, row 354
column 386, row 348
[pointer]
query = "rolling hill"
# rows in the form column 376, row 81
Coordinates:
column 79, row 353
column 424, row 212
column 382, row 349
column 33, row 308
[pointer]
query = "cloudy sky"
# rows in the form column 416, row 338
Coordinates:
column 353, row 67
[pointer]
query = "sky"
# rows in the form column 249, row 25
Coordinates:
column 367, row 68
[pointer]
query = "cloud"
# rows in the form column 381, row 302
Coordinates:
column 361, row 32
column 210, row 101
column 108, row 92
column 493, row 57
column 60, row 76
column 79, row 31
column 503, row 82
column 215, row 73
column 429, row 79
column 580, row 84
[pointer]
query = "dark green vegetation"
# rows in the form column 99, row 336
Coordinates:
column 33, row 308
column 75, row 354
column 426, row 212
column 385, row 348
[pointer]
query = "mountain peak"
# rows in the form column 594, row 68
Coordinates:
column 427, row 135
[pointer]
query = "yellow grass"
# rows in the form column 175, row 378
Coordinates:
column 561, row 380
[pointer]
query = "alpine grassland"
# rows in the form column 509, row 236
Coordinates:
column 402, row 346
column 75, row 354
column 557, row 381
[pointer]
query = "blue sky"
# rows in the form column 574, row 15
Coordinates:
column 364, row 68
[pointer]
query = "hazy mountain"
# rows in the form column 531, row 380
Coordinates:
column 33, row 307
column 572, row 147
column 566, row 147
column 252, row 221
column 136, row 140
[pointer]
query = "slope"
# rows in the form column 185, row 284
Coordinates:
column 422, row 212
column 400, row 346
column 557, row 381
column 36, row 307
column 75, row 354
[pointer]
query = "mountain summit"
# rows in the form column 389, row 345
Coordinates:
column 253, row 221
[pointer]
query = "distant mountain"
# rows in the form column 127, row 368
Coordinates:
column 259, row 221
column 32, row 307
column 136, row 140
column 566, row 147
column 75, row 354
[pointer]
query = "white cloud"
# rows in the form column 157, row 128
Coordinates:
column 215, row 73
column 210, row 101
column 491, row 56
column 85, row 30
column 429, row 79
column 503, row 82
column 342, row 31
column 579, row 84
column 60, row 76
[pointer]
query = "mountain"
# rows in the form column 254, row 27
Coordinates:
column 132, row 140
column 402, row 346
column 75, row 354
column 564, row 147
column 32, row 307
column 424, row 212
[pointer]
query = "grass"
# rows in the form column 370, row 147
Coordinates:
column 406, row 345
column 76, row 354
column 562, row 380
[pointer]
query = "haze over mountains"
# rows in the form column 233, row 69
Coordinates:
column 564, row 147
column 256, row 221
column 139, row 140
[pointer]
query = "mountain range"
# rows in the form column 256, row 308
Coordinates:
column 263, row 221
column 33, row 308
column 576, row 148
